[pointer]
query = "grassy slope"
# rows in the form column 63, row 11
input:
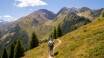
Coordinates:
column 85, row 42
column 39, row 52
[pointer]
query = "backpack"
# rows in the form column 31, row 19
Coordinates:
column 50, row 43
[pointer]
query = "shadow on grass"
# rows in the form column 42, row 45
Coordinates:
column 56, row 53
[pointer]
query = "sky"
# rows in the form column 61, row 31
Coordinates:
column 11, row 10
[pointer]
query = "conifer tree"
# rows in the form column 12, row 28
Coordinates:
column 103, row 14
column 34, row 41
column 19, row 50
column 54, row 34
column 12, row 51
column 5, row 54
column 59, row 31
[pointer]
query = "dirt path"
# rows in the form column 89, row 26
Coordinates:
column 59, row 42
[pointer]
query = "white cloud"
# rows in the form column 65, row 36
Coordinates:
column 27, row 3
column 8, row 18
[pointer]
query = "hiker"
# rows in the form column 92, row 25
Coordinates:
column 51, row 46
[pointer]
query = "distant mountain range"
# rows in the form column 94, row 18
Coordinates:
column 42, row 18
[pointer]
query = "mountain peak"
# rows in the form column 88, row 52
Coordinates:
column 63, row 10
column 43, row 10
column 48, row 14
column 84, row 9
column 66, row 10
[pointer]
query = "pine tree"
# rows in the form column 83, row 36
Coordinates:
column 5, row 54
column 19, row 50
column 54, row 34
column 12, row 51
column 34, row 41
column 103, row 14
column 59, row 31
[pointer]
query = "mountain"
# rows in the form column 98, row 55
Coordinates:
column 89, row 13
column 86, row 12
column 48, row 14
column 83, row 9
column 98, row 12
column 3, row 27
column 3, row 23
column 43, row 21
column 39, row 16
column 63, row 10
column 69, row 20
column 36, row 22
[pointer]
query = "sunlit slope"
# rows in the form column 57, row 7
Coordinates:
column 85, row 42
column 38, row 52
